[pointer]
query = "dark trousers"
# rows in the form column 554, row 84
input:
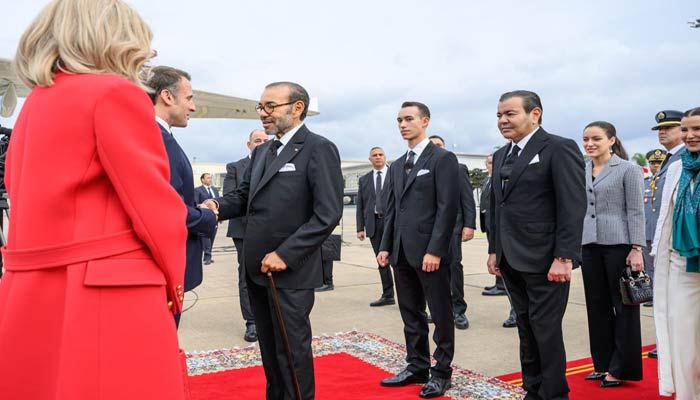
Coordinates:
column 384, row 272
column 414, row 287
column 459, row 305
column 614, row 329
column 327, row 266
column 207, row 244
column 539, row 306
column 243, row 298
column 296, row 306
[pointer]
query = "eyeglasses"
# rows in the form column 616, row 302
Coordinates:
column 270, row 107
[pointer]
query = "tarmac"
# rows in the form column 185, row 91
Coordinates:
column 213, row 318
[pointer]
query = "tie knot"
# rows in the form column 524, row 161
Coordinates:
column 411, row 153
column 516, row 149
column 276, row 144
column 379, row 173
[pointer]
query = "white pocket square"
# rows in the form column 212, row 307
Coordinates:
column 534, row 160
column 288, row 168
column 423, row 172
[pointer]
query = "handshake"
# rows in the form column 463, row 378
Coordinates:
column 211, row 205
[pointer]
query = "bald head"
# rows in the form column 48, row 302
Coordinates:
column 255, row 139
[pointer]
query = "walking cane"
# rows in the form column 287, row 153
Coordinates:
column 285, row 338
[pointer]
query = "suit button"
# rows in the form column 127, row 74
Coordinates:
column 592, row 216
column 592, row 204
column 590, row 190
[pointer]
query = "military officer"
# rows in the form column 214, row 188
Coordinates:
column 668, row 126
column 652, row 196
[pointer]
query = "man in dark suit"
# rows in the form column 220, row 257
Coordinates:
column 292, row 195
column 463, row 232
column 371, row 207
column 499, row 288
column 422, row 203
column 172, row 98
column 668, row 126
column 538, row 202
column 203, row 193
column 236, row 230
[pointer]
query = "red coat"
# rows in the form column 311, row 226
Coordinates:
column 96, row 248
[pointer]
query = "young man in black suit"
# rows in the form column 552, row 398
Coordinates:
column 371, row 207
column 292, row 196
column 463, row 232
column 538, row 202
column 236, row 229
column 420, row 217
column 203, row 193
column 172, row 99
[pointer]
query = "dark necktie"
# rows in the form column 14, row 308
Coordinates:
column 378, row 206
column 410, row 162
column 272, row 153
column 211, row 194
column 507, row 167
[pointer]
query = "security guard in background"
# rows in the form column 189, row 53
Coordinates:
column 652, row 203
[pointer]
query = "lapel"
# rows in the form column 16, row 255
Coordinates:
column 607, row 170
column 168, row 137
column 533, row 147
column 422, row 160
column 289, row 151
column 399, row 177
column 673, row 158
column 372, row 189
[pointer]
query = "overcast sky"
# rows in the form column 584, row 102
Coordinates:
column 620, row 61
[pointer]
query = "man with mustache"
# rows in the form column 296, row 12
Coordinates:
column 292, row 196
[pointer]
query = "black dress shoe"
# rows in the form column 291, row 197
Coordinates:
column 648, row 304
column 207, row 262
column 489, row 287
column 325, row 288
column 653, row 354
column 435, row 387
column 494, row 292
column 251, row 333
column 404, row 378
column 461, row 321
column 383, row 301
column 511, row 322
column 609, row 384
column 595, row 376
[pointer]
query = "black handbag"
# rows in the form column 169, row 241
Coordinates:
column 635, row 288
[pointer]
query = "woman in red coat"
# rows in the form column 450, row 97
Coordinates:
column 96, row 245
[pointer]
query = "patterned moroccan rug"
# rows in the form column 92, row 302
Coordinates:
column 348, row 366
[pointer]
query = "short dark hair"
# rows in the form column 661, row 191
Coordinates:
column 610, row 132
column 423, row 110
column 530, row 100
column 298, row 93
column 203, row 175
column 437, row 137
column 693, row 112
column 162, row 78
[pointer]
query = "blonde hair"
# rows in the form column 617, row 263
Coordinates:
column 83, row 36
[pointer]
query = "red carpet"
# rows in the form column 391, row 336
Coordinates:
column 581, row 389
column 338, row 377
column 347, row 366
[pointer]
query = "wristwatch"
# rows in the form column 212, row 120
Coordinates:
column 564, row 260
column 638, row 248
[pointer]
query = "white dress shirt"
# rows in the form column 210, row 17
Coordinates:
column 523, row 142
column 288, row 136
column 418, row 149
column 164, row 124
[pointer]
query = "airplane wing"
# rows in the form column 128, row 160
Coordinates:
column 209, row 105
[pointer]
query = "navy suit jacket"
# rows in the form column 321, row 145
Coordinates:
column 200, row 222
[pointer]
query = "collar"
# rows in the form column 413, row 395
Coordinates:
column 677, row 149
column 383, row 171
column 289, row 135
column 523, row 142
column 164, row 124
column 419, row 148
